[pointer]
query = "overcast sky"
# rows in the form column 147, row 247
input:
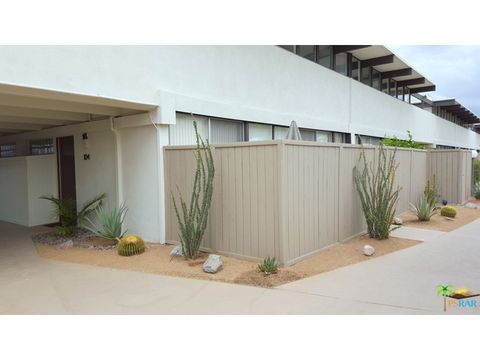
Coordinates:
column 454, row 69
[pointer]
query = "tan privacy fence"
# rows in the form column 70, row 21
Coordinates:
column 289, row 199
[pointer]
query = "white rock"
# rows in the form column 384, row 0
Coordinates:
column 397, row 221
column 177, row 251
column 471, row 206
column 66, row 245
column 213, row 264
column 368, row 250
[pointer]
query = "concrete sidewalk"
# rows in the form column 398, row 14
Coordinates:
column 399, row 283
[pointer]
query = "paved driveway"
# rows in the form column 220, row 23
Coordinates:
column 399, row 283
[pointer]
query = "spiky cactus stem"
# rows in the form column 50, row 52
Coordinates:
column 193, row 218
column 377, row 192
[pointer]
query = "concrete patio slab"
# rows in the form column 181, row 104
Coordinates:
column 412, row 233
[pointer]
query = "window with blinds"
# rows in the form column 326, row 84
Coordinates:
column 8, row 150
column 41, row 147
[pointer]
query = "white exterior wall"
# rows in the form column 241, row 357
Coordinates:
column 253, row 83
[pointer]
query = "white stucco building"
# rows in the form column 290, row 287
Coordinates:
column 81, row 120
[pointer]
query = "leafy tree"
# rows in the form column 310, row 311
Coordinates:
column 396, row 142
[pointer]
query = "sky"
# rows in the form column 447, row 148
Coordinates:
column 454, row 69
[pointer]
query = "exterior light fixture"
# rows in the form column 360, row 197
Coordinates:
column 85, row 140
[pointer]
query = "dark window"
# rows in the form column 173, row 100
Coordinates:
column 375, row 79
column 288, row 47
column 393, row 85
column 41, row 147
column 365, row 76
column 324, row 55
column 385, row 85
column 355, row 68
column 8, row 150
column 306, row 51
column 280, row 132
column 341, row 63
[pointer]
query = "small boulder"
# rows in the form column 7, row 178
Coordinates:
column 471, row 206
column 213, row 264
column 397, row 221
column 368, row 250
column 176, row 251
column 65, row 245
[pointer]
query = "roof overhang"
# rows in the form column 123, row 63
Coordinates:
column 25, row 109
column 391, row 66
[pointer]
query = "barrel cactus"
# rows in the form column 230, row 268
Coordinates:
column 448, row 211
column 130, row 245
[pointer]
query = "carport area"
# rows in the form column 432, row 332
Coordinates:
column 70, row 145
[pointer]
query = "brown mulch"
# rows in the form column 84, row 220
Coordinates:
column 442, row 223
column 156, row 260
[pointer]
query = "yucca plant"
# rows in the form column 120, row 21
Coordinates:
column 476, row 190
column 423, row 209
column 108, row 223
column 65, row 210
column 268, row 266
column 193, row 217
column 377, row 191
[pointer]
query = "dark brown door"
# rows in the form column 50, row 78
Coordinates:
column 66, row 168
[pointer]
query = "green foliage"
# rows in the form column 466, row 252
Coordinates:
column 444, row 290
column 396, row 142
column 476, row 171
column 448, row 211
column 476, row 190
column 192, row 218
column 65, row 210
column 431, row 192
column 377, row 192
column 268, row 266
column 423, row 209
column 130, row 245
column 108, row 222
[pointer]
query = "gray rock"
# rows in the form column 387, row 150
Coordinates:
column 471, row 206
column 65, row 245
column 177, row 251
column 213, row 264
column 368, row 250
column 397, row 221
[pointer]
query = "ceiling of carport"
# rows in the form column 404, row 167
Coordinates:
column 24, row 109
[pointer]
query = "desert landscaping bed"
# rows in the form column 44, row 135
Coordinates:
column 156, row 260
column 442, row 223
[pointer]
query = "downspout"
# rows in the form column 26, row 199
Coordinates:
column 118, row 164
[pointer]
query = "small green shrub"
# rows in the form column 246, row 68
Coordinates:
column 268, row 266
column 423, row 209
column 130, row 245
column 109, row 222
column 448, row 211
column 65, row 210
column 410, row 143
column 476, row 190
column 476, row 171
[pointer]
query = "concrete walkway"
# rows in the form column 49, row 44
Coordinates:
column 399, row 283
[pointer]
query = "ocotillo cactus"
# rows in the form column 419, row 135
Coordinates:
column 193, row 218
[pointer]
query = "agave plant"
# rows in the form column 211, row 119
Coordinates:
column 65, row 210
column 424, row 208
column 108, row 223
column 268, row 266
